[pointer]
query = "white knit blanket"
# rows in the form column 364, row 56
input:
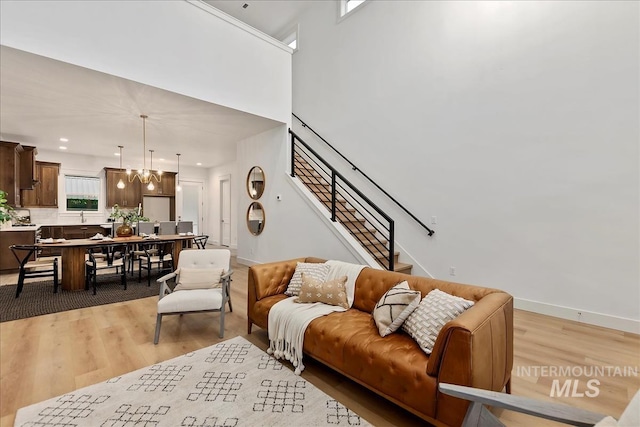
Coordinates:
column 288, row 320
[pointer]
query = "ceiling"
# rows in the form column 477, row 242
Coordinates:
column 43, row 100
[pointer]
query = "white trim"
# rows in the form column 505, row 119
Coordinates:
column 247, row 262
column 241, row 25
column 345, row 237
column 342, row 6
column 578, row 315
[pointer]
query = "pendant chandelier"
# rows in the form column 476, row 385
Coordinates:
column 120, row 183
column 146, row 176
column 178, row 187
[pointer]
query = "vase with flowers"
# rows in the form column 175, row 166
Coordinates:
column 128, row 217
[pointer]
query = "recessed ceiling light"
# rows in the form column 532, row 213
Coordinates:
column 62, row 147
column 64, row 140
column 198, row 164
column 246, row 5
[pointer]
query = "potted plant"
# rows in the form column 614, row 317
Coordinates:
column 127, row 218
column 6, row 211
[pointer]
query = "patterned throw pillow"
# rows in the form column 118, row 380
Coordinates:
column 394, row 307
column 198, row 278
column 333, row 292
column 318, row 271
column 435, row 309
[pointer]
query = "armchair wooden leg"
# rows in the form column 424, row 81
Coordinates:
column 507, row 387
column 158, row 323
column 249, row 325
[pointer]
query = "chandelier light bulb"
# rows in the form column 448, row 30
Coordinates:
column 128, row 171
column 178, row 187
column 120, row 184
column 151, row 187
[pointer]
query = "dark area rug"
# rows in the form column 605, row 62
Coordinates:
column 37, row 298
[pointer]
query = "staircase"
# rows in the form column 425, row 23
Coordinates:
column 365, row 231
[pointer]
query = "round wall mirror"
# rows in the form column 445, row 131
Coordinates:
column 255, row 182
column 255, row 218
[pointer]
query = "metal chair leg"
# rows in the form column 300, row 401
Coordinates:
column 20, row 282
column 55, row 275
column 158, row 324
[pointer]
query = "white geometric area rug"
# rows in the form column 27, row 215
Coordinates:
column 229, row 384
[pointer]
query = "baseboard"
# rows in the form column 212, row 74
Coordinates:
column 578, row 315
column 247, row 262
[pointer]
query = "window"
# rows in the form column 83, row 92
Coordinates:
column 349, row 5
column 291, row 39
column 82, row 192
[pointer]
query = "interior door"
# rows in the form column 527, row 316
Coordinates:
column 192, row 204
column 225, row 212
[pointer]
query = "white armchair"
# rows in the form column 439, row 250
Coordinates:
column 203, row 282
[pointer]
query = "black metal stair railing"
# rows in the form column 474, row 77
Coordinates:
column 355, row 168
column 362, row 218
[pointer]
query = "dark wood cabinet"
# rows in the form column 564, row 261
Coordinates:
column 10, row 171
column 28, row 177
column 129, row 196
column 45, row 193
column 7, row 238
column 166, row 187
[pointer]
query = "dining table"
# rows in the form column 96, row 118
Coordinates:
column 73, row 253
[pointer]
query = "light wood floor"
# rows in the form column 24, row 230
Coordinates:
column 45, row 356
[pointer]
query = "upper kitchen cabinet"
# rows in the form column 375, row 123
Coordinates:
column 28, row 178
column 129, row 196
column 45, row 193
column 10, row 171
column 166, row 187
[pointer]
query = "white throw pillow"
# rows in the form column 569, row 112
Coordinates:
column 435, row 309
column 394, row 307
column 314, row 270
column 198, row 278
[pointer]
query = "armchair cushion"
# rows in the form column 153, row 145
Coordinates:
column 394, row 307
column 194, row 300
column 198, row 278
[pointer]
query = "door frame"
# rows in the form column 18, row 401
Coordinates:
column 223, row 179
column 180, row 202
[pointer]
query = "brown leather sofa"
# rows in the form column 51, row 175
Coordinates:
column 475, row 349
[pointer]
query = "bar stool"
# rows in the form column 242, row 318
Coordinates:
column 37, row 268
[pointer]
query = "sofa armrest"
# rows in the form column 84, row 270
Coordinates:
column 270, row 279
column 475, row 350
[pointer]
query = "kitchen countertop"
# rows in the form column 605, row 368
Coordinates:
column 36, row 227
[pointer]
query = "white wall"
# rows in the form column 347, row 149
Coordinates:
column 292, row 228
column 519, row 120
column 173, row 45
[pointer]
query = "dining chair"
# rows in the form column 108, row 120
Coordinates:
column 34, row 268
column 143, row 228
column 105, row 257
column 167, row 227
column 203, row 284
column 156, row 254
column 185, row 227
column 201, row 241
column 146, row 228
